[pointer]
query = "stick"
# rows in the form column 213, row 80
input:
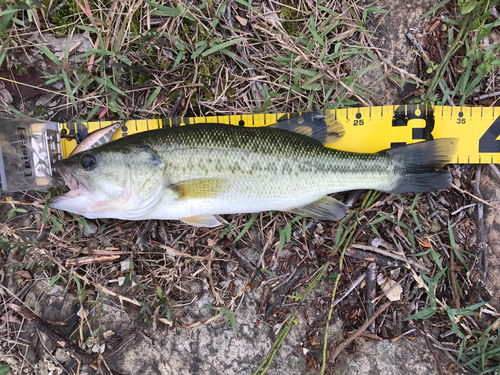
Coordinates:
column 371, row 291
column 91, row 259
column 474, row 196
column 390, row 255
column 454, row 280
column 373, row 257
column 248, row 265
column 43, row 326
column 432, row 350
column 263, row 301
column 483, row 248
column 344, row 344
column 351, row 288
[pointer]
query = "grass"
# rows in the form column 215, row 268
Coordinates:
column 234, row 58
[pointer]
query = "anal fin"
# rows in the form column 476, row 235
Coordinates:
column 204, row 220
column 326, row 208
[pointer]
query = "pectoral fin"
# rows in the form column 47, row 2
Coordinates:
column 200, row 188
column 326, row 208
column 204, row 220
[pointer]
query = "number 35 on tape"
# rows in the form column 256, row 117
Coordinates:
column 372, row 129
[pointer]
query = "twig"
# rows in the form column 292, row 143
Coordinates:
column 263, row 301
column 56, row 8
column 483, row 248
column 373, row 257
column 351, row 288
column 462, row 208
column 43, row 326
column 453, row 280
column 177, row 103
column 371, row 291
column 91, row 259
column 486, row 96
column 429, row 335
column 474, row 196
column 391, row 255
column 344, row 344
column 312, row 251
column 403, row 73
column 248, row 265
column 432, row 350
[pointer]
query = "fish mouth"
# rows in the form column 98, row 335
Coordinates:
column 77, row 184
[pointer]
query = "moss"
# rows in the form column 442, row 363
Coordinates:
column 139, row 78
column 63, row 17
column 292, row 28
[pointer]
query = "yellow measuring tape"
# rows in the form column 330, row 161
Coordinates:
column 368, row 129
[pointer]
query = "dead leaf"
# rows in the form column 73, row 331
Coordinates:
column 393, row 294
column 24, row 274
column 241, row 20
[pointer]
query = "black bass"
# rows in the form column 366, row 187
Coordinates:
column 195, row 173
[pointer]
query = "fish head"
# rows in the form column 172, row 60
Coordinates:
column 112, row 182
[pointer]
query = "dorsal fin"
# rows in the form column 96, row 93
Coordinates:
column 316, row 125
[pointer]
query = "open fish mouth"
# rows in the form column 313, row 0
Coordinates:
column 77, row 184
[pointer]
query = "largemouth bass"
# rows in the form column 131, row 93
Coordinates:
column 195, row 173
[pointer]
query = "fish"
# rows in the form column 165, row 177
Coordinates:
column 97, row 138
column 196, row 173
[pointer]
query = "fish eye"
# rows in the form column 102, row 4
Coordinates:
column 88, row 162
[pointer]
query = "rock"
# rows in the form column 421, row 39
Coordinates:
column 62, row 356
column 389, row 30
column 435, row 225
column 90, row 229
column 490, row 192
column 384, row 357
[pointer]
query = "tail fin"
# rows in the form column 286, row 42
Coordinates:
column 418, row 163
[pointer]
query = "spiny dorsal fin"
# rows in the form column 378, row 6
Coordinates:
column 316, row 125
column 200, row 188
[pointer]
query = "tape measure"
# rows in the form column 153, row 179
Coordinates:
column 368, row 129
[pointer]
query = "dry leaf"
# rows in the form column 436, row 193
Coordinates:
column 241, row 20
column 24, row 274
column 395, row 293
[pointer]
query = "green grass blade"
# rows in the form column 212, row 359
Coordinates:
column 222, row 46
